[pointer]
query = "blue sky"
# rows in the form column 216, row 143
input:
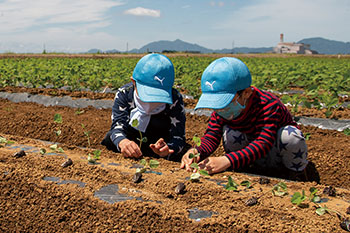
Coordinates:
column 79, row 25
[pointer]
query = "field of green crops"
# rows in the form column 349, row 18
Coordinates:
column 322, row 78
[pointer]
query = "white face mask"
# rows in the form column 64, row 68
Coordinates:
column 148, row 108
column 143, row 111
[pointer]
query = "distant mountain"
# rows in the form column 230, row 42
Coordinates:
column 182, row 46
column 94, row 51
column 321, row 45
column 176, row 45
column 325, row 46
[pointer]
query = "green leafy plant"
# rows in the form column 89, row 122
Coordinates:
column 197, row 172
column 298, row 198
column 147, row 165
column 79, row 112
column 330, row 100
column 293, row 100
column 135, row 124
column 87, row 134
column 232, row 185
column 96, row 155
column 42, row 151
column 347, row 131
column 307, row 136
column 57, row 119
column 279, row 189
column 57, row 149
column 4, row 142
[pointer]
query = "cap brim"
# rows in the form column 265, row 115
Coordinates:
column 154, row 95
column 214, row 100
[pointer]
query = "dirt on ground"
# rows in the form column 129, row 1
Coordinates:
column 30, row 201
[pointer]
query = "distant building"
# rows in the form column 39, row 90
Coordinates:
column 291, row 47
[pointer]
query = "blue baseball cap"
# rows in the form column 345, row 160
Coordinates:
column 154, row 75
column 220, row 82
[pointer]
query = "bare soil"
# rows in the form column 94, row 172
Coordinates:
column 28, row 203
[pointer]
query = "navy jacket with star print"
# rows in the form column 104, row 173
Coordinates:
column 265, row 115
column 168, row 124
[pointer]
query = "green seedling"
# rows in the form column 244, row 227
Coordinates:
column 57, row 149
column 58, row 118
column 4, row 142
column 147, row 165
column 347, row 131
column 279, row 189
column 197, row 172
column 293, row 100
column 96, row 155
column 87, row 134
column 299, row 198
column 330, row 100
column 58, row 132
column 134, row 124
column 79, row 112
column 307, row 136
column 231, row 185
column 42, row 151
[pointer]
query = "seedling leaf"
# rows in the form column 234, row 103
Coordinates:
column 134, row 123
column 153, row 163
column 203, row 172
column 58, row 132
column 347, row 130
column 298, row 198
column 97, row 154
column 42, row 151
column 57, row 118
column 231, row 184
column 322, row 210
column 60, row 150
column 279, row 189
column 246, row 183
column 197, row 140
column 194, row 165
column 143, row 162
column 144, row 139
column 90, row 159
column 191, row 156
column 195, row 176
column 53, row 147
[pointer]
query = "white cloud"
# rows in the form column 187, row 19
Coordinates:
column 140, row 11
column 19, row 15
column 262, row 23
column 58, row 39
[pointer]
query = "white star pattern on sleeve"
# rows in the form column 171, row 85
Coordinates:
column 173, row 105
column 121, row 108
column 118, row 135
column 174, row 121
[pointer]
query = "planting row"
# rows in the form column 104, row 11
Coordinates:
column 321, row 78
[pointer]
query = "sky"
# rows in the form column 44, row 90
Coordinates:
column 73, row 26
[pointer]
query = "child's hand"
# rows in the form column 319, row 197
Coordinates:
column 186, row 161
column 129, row 148
column 161, row 148
column 215, row 164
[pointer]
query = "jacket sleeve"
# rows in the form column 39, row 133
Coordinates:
column 177, row 120
column 212, row 136
column 120, row 113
